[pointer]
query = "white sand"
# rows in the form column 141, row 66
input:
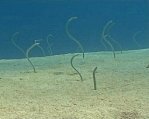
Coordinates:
column 56, row 92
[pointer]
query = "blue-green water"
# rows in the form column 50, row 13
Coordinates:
column 35, row 19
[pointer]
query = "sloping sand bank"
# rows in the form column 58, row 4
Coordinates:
column 56, row 91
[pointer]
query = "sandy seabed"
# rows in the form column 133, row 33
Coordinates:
column 56, row 91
